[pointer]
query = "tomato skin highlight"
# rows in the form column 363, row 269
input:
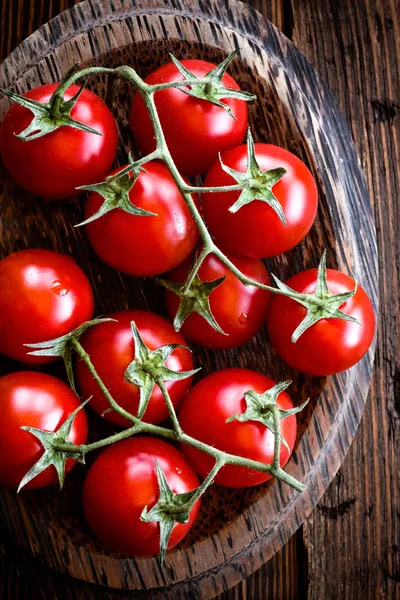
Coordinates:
column 195, row 130
column 255, row 230
column 145, row 245
column 239, row 310
column 111, row 349
column 44, row 295
column 37, row 400
column 122, row 481
column 52, row 166
column 330, row 345
column 203, row 416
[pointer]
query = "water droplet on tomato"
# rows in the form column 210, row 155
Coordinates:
column 178, row 470
column 243, row 318
column 58, row 288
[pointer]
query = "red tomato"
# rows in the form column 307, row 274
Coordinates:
column 111, row 349
column 195, row 130
column 34, row 400
column 330, row 345
column 255, row 229
column 203, row 416
column 145, row 245
column 239, row 310
column 44, row 295
column 52, row 166
column 122, row 481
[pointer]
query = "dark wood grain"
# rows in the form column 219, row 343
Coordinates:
column 364, row 568
column 356, row 48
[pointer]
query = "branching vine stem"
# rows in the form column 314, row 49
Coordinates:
column 162, row 152
column 177, row 435
column 139, row 425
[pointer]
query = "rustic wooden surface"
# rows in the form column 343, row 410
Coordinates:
column 349, row 547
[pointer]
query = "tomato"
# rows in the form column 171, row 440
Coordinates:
column 35, row 400
column 122, row 481
column 255, row 229
column 203, row 416
column 145, row 245
column 44, row 295
column 111, row 349
column 330, row 345
column 53, row 165
column 239, row 310
column 195, row 130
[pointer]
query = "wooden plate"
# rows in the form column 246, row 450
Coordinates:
column 237, row 530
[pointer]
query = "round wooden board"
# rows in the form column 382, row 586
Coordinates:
column 236, row 530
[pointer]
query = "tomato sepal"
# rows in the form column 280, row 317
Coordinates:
column 63, row 346
column 256, row 183
column 171, row 508
column 52, row 454
column 115, row 191
column 260, row 407
column 321, row 304
column 196, row 299
column 212, row 89
column 50, row 116
column 148, row 368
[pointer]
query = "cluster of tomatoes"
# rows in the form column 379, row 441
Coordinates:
column 45, row 295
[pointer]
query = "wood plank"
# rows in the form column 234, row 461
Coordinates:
column 353, row 537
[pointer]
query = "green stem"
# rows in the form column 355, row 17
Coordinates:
column 75, row 76
column 219, row 463
column 277, row 437
column 85, row 448
column 170, row 406
column 138, row 163
column 147, row 92
column 247, row 281
column 221, row 457
column 195, row 269
column 84, row 356
column 158, row 87
column 58, row 99
column 214, row 190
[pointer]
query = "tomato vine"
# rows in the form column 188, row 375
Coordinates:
column 148, row 369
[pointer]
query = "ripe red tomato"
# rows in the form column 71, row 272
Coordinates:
column 195, row 130
column 203, row 416
column 35, row 400
column 122, row 481
column 111, row 349
column 239, row 310
column 255, row 229
column 52, row 166
column 44, row 295
column 145, row 245
column 330, row 345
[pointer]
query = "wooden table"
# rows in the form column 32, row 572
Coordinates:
column 350, row 546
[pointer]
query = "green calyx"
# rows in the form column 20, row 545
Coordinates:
column 195, row 299
column 261, row 407
column 52, row 455
column 63, row 347
column 256, row 183
column 213, row 89
column 115, row 191
column 148, row 368
column 48, row 117
column 321, row 304
column 170, row 509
